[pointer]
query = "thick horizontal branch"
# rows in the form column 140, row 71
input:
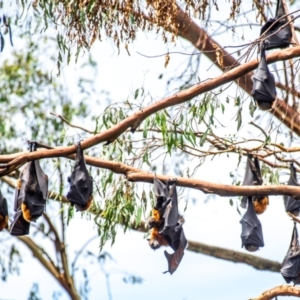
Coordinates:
column 137, row 175
column 281, row 290
column 235, row 256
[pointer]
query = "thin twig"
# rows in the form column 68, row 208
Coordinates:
column 70, row 124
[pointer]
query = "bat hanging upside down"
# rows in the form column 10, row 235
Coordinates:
column 81, row 183
column 166, row 223
column 30, row 196
column 253, row 177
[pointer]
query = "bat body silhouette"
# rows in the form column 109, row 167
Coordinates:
column 166, row 224
column 252, row 236
column 264, row 90
column 3, row 213
column 81, row 183
column 253, row 177
column 36, row 191
column 290, row 269
column 277, row 34
column 30, row 197
column 292, row 205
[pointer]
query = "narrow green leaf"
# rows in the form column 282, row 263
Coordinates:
column 136, row 93
column 239, row 118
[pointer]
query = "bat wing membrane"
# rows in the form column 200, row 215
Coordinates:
column 19, row 226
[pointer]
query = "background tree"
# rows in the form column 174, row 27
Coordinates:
column 191, row 131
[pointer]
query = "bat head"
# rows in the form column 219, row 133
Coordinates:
column 154, row 244
column 251, row 248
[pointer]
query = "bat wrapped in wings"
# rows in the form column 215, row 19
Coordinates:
column 252, row 236
column 166, row 223
column 277, row 31
column 264, row 90
column 30, row 196
column 290, row 269
column 3, row 213
column 253, row 177
column 81, row 183
column 291, row 205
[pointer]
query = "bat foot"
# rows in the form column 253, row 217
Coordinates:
column 172, row 181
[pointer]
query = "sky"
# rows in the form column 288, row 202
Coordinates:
column 213, row 222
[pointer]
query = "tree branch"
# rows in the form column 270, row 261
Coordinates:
column 61, row 249
column 235, row 256
column 137, row 175
column 281, row 290
column 49, row 267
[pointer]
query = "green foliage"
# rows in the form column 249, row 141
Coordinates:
column 120, row 207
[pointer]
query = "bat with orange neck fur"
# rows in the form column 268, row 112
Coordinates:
column 253, row 177
column 30, row 196
column 166, row 223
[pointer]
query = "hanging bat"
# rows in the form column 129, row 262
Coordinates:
column 166, row 223
column 290, row 269
column 292, row 205
column 252, row 236
column 3, row 213
column 32, row 190
column 264, row 90
column 253, row 177
column 156, row 222
column 274, row 39
column 19, row 226
column 81, row 183
column 36, row 191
